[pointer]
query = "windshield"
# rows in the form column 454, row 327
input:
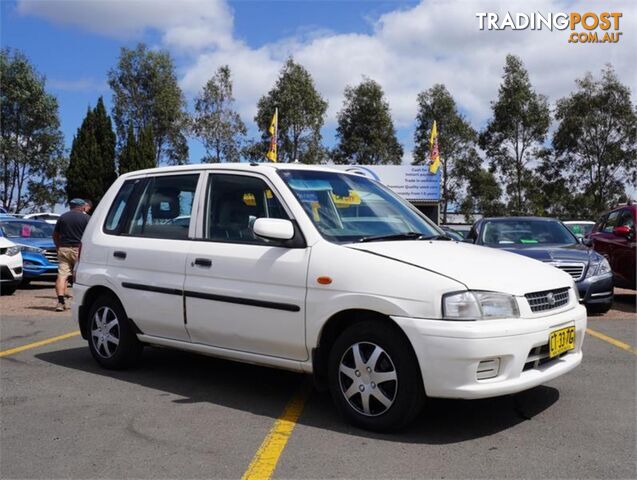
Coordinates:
column 27, row 229
column 504, row 233
column 348, row 208
column 580, row 229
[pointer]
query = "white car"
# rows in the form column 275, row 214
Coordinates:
column 10, row 266
column 319, row 271
column 51, row 218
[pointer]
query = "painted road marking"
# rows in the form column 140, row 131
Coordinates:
column 612, row 341
column 41, row 343
column 267, row 456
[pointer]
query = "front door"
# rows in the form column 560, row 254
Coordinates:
column 242, row 292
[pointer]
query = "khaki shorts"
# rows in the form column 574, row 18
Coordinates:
column 67, row 258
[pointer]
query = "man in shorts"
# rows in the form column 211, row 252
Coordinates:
column 67, row 237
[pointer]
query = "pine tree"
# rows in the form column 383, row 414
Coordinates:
column 138, row 153
column 365, row 129
column 91, row 169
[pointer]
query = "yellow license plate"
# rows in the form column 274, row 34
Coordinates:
column 561, row 341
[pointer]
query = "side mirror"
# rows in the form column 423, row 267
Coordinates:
column 622, row 231
column 588, row 241
column 273, row 228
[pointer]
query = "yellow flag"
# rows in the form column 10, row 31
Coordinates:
column 274, row 130
column 434, row 155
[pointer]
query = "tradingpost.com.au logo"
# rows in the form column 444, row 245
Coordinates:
column 586, row 27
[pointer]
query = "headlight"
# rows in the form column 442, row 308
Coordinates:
column 473, row 305
column 26, row 248
column 11, row 251
column 596, row 269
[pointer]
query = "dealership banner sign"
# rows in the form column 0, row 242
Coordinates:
column 412, row 182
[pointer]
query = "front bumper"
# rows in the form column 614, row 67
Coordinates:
column 596, row 290
column 449, row 353
column 38, row 266
column 10, row 269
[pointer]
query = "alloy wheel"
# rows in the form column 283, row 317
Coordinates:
column 368, row 379
column 105, row 332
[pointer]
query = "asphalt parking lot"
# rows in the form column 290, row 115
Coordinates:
column 184, row 416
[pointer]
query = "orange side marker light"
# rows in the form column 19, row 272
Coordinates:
column 324, row 280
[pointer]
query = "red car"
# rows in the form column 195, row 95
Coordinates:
column 613, row 236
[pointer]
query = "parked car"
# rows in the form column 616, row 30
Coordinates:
column 613, row 236
column 35, row 241
column 580, row 228
column 451, row 233
column 548, row 240
column 10, row 266
column 320, row 271
column 49, row 217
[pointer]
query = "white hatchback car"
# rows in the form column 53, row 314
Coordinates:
column 10, row 266
column 320, row 271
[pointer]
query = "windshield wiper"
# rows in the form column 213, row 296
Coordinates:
column 437, row 237
column 393, row 236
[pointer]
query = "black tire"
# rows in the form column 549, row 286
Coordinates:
column 406, row 393
column 599, row 308
column 114, row 356
column 8, row 290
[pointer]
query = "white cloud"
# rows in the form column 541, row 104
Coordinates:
column 407, row 50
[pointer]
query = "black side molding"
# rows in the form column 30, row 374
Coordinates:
column 288, row 307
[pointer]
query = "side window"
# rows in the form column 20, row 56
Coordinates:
column 165, row 207
column 626, row 219
column 233, row 203
column 116, row 218
column 611, row 222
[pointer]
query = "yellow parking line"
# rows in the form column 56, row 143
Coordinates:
column 612, row 341
column 267, row 456
column 41, row 343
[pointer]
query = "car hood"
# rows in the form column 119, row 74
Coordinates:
column 34, row 242
column 478, row 268
column 553, row 253
column 6, row 243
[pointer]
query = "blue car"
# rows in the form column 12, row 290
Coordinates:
column 35, row 239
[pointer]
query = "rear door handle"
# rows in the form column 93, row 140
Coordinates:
column 119, row 254
column 202, row 262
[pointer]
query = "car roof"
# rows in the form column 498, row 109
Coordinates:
column 242, row 166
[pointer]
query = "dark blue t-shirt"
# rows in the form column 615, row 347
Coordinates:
column 71, row 226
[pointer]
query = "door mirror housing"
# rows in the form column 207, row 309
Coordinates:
column 273, row 228
column 622, row 231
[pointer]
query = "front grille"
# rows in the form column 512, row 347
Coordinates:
column 547, row 300
column 539, row 356
column 51, row 255
column 3, row 251
column 575, row 270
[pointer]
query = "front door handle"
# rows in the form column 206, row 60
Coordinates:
column 202, row 262
column 119, row 254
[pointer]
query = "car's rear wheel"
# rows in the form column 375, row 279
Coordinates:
column 112, row 339
column 374, row 377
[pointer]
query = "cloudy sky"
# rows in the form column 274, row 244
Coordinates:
column 406, row 46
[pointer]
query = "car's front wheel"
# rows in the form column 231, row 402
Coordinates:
column 112, row 339
column 374, row 377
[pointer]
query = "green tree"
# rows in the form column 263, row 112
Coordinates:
column 483, row 195
column 516, row 132
column 138, row 152
column 456, row 141
column 597, row 135
column 365, row 132
column 91, row 169
column 146, row 93
column 301, row 114
column 215, row 123
column 31, row 148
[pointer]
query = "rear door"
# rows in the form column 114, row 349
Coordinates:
column 150, row 224
column 622, row 251
column 242, row 292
